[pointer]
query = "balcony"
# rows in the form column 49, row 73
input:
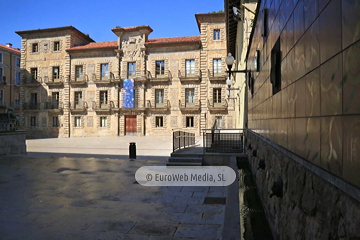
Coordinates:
column 158, row 107
column 98, row 79
column 78, row 81
column 54, row 81
column 105, row 107
column 138, row 76
column 53, row 106
column 32, row 82
column 31, row 106
column 138, row 106
column 3, row 104
column 189, row 77
column 190, row 107
column 218, row 107
column 160, row 78
column 78, row 107
column 217, row 76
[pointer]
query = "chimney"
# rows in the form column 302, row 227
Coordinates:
column 9, row 45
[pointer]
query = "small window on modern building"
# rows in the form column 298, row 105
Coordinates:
column 35, row 47
column 190, row 67
column 275, row 72
column 131, row 69
column 217, row 66
column 78, row 72
column 103, row 122
column 104, row 71
column 77, row 121
column 159, row 122
column 216, row 34
column 56, row 46
column 32, row 121
column 189, row 121
column 55, row 121
column 160, row 68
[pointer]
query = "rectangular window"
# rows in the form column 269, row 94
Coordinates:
column 1, row 74
column 1, row 97
column 17, row 78
column 103, row 97
column 33, row 121
column 159, row 97
column 79, row 72
column 1, row 57
column 160, row 68
column 56, row 46
column 33, row 99
column 190, row 67
column 216, row 95
column 34, row 73
column 189, row 121
column 275, row 72
column 131, row 69
column 35, row 47
column 104, row 71
column 77, row 121
column 55, row 97
column 17, row 62
column 189, row 96
column 217, row 66
column 159, row 122
column 55, row 121
column 78, row 99
column 218, row 120
column 216, row 34
column 56, row 73
column 103, row 122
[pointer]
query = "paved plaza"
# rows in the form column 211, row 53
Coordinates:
column 92, row 194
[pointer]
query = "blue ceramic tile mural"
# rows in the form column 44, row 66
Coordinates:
column 128, row 93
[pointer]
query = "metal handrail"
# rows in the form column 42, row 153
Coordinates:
column 182, row 139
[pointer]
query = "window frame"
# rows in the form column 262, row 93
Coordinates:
column 103, row 97
column 35, row 47
column 159, row 100
column 217, row 35
column 55, row 73
column 104, row 71
column 79, row 75
column 189, row 121
column 159, row 121
column 190, row 67
column 32, row 121
column 190, row 99
column 77, row 122
column 1, row 57
column 103, row 122
column 131, row 69
column 56, row 47
column 17, row 78
column 221, row 121
column 34, row 73
column 18, row 62
column 2, row 96
column 1, row 74
column 217, row 66
column 78, row 98
column 217, row 96
column 55, row 123
column 160, row 68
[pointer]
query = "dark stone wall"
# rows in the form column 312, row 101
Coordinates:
column 311, row 207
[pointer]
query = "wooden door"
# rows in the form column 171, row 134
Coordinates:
column 130, row 125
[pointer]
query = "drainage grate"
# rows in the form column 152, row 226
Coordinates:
column 215, row 200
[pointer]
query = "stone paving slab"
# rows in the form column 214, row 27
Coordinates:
column 88, row 198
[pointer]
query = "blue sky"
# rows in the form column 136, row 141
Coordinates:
column 168, row 18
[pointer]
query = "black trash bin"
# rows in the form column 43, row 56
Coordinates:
column 132, row 150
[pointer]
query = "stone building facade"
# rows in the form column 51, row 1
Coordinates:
column 9, row 78
column 73, row 86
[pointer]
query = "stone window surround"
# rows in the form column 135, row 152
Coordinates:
column 51, row 120
column 107, row 122
column 53, row 45
column 81, row 121
column 162, row 121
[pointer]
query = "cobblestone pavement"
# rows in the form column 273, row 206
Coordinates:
column 98, row 198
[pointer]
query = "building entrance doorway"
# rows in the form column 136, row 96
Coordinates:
column 130, row 125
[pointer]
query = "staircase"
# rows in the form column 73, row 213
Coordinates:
column 192, row 156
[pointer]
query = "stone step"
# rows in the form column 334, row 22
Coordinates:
column 183, row 164
column 185, row 159
column 187, row 155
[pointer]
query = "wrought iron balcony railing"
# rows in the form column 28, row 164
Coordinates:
column 213, row 106
column 166, row 77
column 31, row 81
column 54, row 81
column 158, row 106
column 217, row 76
column 103, row 106
column 31, row 106
column 99, row 79
column 136, row 75
column 190, row 106
column 78, row 105
column 53, row 105
column 79, row 80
